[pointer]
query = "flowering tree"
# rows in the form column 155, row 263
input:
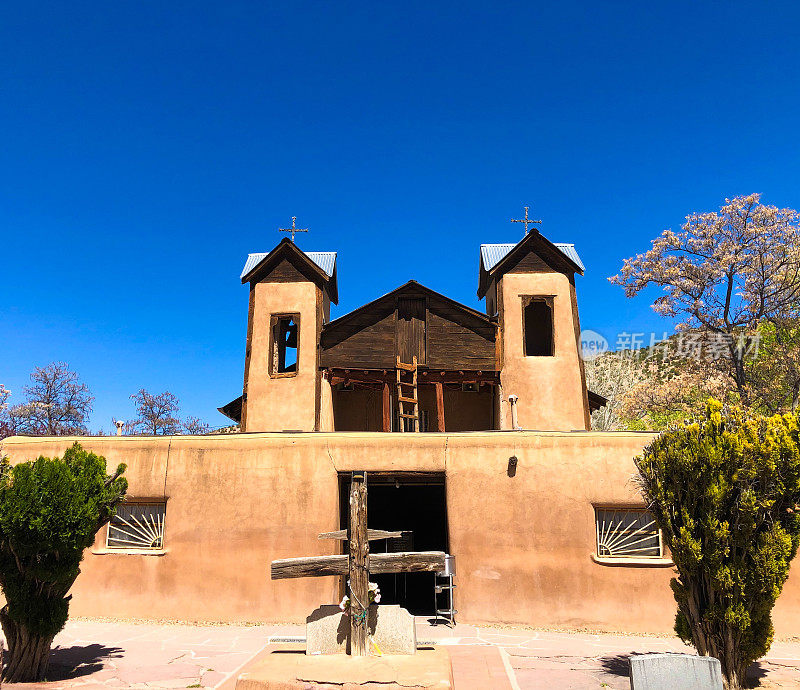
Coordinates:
column 726, row 272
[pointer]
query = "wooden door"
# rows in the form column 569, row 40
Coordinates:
column 411, row 329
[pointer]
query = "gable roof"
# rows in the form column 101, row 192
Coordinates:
column 325, row 260
column 411, row 287
column 321, row 265
column 492, row 254
column 496, row 259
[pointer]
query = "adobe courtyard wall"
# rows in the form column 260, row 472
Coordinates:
column 523, row 543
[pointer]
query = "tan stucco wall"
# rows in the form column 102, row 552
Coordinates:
column 550, row 389
column 523, row 543
column 275, row 404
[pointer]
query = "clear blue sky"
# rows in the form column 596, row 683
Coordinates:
column 147, row 147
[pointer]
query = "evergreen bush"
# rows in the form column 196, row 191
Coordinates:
column 50, row 511
column 725, row 491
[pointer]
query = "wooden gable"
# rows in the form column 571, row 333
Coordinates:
column 411, row 321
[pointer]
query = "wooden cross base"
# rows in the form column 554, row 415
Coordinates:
column 358, row 564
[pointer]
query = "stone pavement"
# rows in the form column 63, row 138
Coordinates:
column 536, row 659
column 117, row 654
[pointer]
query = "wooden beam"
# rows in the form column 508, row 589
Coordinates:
column 377, row 377
column 372, row 534
column 407, row 562
column 308, row 566
column 321, row 566
column 439, row 405
column 387, row 407
column 359, row 553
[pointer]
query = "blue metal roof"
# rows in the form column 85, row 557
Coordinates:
column 325, row 260
column 491, row 254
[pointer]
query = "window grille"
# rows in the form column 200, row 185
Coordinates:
column 627, row 533
column 137, row 526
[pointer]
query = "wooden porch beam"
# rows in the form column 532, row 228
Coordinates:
column 378, row 377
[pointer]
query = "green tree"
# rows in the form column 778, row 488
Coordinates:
column 50, row 511
column 725, row 491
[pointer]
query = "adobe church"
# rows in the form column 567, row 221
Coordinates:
column 413, row 359
column 473, row 429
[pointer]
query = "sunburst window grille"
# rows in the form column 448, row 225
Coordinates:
column 137, row 526
column 627, row 533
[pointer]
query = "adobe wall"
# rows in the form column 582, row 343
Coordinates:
column 523, row 543
column 551, row 390
column 283, row 401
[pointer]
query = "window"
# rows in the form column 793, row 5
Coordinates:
column 408, row 424
column 627, row 533
column 284, row 341
column 137, row 525
column 537, row 326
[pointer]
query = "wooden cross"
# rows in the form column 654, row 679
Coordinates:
column 526, row 220
column 293, row 229
column 358, row 564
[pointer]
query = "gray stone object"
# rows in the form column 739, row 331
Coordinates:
column 390, row 627
column 675, row 672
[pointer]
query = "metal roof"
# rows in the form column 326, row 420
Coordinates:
column 325, row 260
column 491, row 254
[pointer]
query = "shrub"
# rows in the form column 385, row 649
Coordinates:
column 50, row 511
column 725, row 492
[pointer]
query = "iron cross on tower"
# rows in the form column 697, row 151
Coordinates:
column 293, row 229
column 358, row 564
column 526, row 220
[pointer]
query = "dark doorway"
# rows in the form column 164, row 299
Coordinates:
column 414, row 504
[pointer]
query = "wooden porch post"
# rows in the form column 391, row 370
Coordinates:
column 387, row 408
column 439, row 405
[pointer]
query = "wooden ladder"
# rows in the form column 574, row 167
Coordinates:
column 407, row 402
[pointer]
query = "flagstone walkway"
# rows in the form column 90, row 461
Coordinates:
column 104, row 654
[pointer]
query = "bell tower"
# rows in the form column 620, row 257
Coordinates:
column 290, row 296
column 530, row 287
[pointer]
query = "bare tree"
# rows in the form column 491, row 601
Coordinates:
column 727, row 272
column 195, row 426
column 57, row 404
column 612, row 375
column 5, row 425
column 157, row 414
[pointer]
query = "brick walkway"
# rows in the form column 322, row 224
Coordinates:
column 103, row 655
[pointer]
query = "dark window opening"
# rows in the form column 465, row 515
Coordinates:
column 414, row 505
column 285, row 338
column 537, row 317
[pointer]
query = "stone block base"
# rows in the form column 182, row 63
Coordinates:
column 290, row 668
